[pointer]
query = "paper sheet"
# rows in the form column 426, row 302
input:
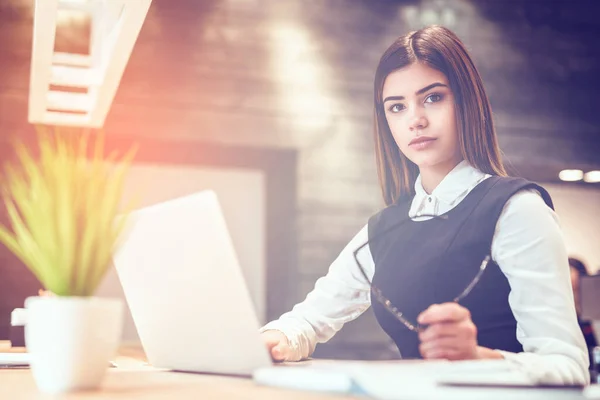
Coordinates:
column 8, row 360
column 412, row 380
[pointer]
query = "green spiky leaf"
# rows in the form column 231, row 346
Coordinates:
column 62, row 206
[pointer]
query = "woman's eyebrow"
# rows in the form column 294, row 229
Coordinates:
column 420, row 91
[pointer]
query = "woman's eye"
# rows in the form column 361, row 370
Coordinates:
column 396, row 108
column 433, row 98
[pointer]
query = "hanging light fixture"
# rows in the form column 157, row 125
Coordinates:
column 591, row 177
column 570, row 175
column 77, row 89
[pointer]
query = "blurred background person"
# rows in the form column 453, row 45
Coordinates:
column 578, row 270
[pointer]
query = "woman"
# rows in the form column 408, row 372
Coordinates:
column 437, row 154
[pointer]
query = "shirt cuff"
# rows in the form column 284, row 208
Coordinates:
column 546, row 369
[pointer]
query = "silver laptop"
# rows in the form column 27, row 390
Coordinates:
column 185, row 289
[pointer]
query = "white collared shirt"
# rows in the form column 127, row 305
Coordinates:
column 528, row 247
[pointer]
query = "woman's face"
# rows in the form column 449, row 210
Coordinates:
column 419, row 108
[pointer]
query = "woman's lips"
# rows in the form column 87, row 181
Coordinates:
column 421, row 142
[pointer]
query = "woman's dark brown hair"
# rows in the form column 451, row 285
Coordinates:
column 439, row 48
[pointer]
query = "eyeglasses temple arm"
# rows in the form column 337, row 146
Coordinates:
column 482, row 268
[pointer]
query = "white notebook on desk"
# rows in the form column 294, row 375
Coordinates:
column 592, row 392
column 8, row 360
column 403, row 379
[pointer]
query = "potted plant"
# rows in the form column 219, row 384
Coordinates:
column 63, row 202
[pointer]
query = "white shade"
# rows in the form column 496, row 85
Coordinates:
column 592, row 177
column 115, row 25
column 570, row 175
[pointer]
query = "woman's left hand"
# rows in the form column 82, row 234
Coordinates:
column 450, row 333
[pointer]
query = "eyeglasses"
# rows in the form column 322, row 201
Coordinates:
column 384, row 300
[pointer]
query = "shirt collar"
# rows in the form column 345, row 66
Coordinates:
column 461, row 179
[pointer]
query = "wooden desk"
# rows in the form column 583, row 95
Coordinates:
column 132, row 379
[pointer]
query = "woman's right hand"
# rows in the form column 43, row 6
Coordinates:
column 277, row 344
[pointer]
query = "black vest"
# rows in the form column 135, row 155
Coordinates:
column 433, row 261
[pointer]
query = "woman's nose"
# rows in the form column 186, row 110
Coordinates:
column 418, row 122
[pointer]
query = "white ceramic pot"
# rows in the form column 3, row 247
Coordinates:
column 71, row 340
